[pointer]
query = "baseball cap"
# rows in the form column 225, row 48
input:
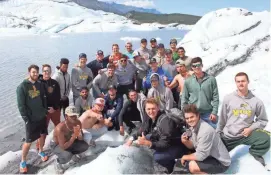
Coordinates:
column 135, row 54
column 100, row 52
column 153, row 60
column 154, row 77
column 82, row 55
column 168, row 51
column 173, row 40
column 153, row 40
column 180, row 62
column 71, row 110
column 99, row 101
column 112, row 86
column 143, row 40
column 160, row 45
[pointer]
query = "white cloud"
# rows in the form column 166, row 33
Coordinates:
column 136, row 3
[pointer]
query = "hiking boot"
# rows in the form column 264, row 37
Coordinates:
column 23, row 167
column 59, row 168
column 43, row 156
column 259, row 159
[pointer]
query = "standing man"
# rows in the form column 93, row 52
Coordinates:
column 242, row 120
column 62, row 76
column 133, row 110
column 115, row 55
column 183, row 57
column 201, row 89
column 144, row 51
column 31, row 98
column 210, row 156
column 84, row 102
column 99, row 63
column 162, row 134
column 160, row 54
column 129, row 50
column 113, row 106
column 173, row 48
column 153, row 43
column 81, row 76
column 103, row 80
column 169, row 64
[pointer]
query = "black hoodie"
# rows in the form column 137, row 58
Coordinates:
column 52, row 92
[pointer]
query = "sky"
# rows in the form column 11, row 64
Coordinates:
column 196, row 7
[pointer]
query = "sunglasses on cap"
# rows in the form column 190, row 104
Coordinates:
column 196, row 65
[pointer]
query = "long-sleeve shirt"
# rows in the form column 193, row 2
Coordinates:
column 102, row 81
column 125, row 75
column 64, row 81
column 238, row 113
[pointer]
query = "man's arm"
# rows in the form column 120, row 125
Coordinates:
column 90, row 79
column 169, row 99
column 205, row 143
column 62, row 140
column 261, row 117
column 118, row 108
column 223, row 117
column 185, row 95
column 123, row 110
column 174, row 82
column 215, row 98
column 96, row 83
column 78, row 102
column 74, row 79
column 21, row 103
column 57, row 96
column 69, row 85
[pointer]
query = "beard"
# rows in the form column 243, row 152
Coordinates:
column 33, row 78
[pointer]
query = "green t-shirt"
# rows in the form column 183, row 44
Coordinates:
column 175, row 56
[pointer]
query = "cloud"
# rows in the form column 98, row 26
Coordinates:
column 135, row 3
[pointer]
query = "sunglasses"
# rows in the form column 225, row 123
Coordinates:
column 196, row 65
column 123, row 61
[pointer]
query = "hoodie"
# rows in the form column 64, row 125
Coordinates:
column 52, row 89
column 238, row 113
column 102, row 81
column 142, row 68
column 163, row 95
column 64, row 82
column 160, row 59
column 208, row 143
column 125, row 75
column 81, row 77
column 83, row 105
column 161, row 73
column 145, row 53
column 31, row 99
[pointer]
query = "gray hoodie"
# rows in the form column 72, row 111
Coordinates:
column 125, row 75
column 145, row 53
column 81, row 77
column 64, row 82
column 83, row 105
column 208, row 143
column 238, row 113
column 163, row 95
column 102, row 81
column 142, row 68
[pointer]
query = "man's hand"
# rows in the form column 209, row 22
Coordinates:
column 122, row 130
column 51, row 110
column 247, row 132
column 76, row 130
column 184, row 138
column 213, row 118
column 128, row 143
column 108, row 122
column 183, row 161
column 165, row 78
column 143, row 141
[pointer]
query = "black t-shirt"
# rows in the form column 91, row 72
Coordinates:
column 96, row 65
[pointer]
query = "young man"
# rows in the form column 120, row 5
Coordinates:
column 163, row 95
column 160, row 133
column 125, row 73
column 183, row 57
column 129, row 50
column 68, row 143
column 164, row 76
column 113, row 106
column 153, row 43
column 173, row 48
column 169, row 64
column 31, row 98
column 99, row 63
column 115, row 55
column 94, row 124
column 160, row 55
column 85, row 101
column 211, row 155
column 103, row 80
column 81, row 76
column 201, row 89
column 179, row 79
column 242, row 120
column 62, row 76
column 133, row 110
column 144, row 51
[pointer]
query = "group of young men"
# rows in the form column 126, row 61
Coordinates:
column 142, row 85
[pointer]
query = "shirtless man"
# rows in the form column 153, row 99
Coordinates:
column 68, row 141
column 183, row 74
column 93, row 123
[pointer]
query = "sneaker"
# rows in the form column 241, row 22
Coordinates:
column 259, row 159
column 23, row 167
column 59, row 168
column 43, row 156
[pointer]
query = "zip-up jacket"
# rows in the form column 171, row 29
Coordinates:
column 113, row 104
column 64, row 82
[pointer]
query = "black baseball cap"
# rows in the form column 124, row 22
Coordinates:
column 112, row 86
column 160, row 45
column 153, row 40
column 144, row 40
column 153, row 60
column 100, row 52
column 82, row 55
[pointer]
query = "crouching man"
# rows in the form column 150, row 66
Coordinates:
column 68, row 141
column 211, row 155
column 93, row 123
column 160, row 133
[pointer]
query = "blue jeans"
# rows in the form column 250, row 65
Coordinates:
column 205, row 117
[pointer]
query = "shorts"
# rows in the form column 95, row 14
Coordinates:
column 34, row 129
column 211, row 166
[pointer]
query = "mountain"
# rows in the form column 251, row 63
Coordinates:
column 112, row 7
